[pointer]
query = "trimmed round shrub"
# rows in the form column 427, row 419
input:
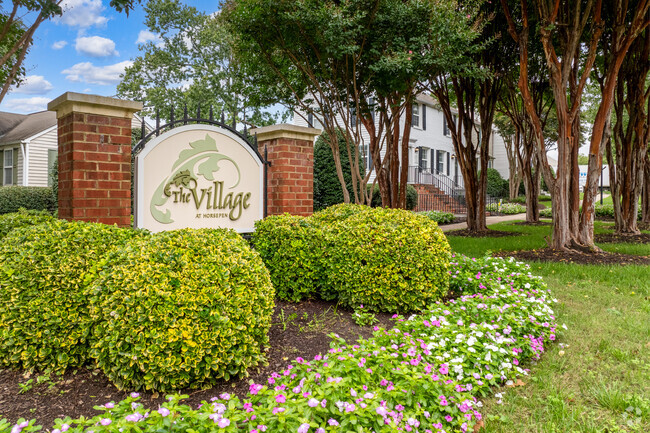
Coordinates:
column 286, row 244
column 181, row 309
column 12, row 198
column 22, row 218
column 339, row 212
column 386, row 260
column 45, row 272
column 439, row 216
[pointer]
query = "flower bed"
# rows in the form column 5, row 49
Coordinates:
column 438, row 216
column 427, row 374
column 506, row 208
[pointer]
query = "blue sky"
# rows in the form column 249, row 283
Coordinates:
column 82, row 51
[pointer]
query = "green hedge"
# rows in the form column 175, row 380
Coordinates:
column 386, row 259
column 181, row 308
column 496, row 185
column 289, row 239
column 45, row 271
column 22, row 218
column 12, row 198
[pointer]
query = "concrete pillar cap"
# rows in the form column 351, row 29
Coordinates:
column 71, row 102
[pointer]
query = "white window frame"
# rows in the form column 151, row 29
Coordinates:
column 9, row 167
column 415, row 115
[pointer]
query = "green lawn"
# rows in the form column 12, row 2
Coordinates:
column 597, row 378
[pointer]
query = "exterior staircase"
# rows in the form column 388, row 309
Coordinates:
column 430, row 197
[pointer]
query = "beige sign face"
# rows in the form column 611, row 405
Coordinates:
column 198, row 176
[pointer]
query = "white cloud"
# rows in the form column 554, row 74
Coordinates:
column 59, row 44
column 146, row 36
column 27, row 105
column 86, row 72
column 82, row 13
column 34, row 85
column 96, row 46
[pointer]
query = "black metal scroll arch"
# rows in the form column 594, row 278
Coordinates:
column 144, row 138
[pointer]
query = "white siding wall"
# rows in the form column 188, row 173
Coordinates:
column 431, row 138
column 500, row 162
column 38, row 149
column 18, row 153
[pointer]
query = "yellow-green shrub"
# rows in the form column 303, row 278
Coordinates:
column 22, row 218
column 286, row 244
column 182, row 308
column 44, row 276
column 387, row 260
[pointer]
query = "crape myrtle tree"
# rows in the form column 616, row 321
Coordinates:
column 630, row 135
column 19, row 21
column 190, row 64
column 468, row 102
column 570, row 32
column 355, row 66
column 520, row 145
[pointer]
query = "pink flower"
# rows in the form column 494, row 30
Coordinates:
column 304, row 428
column 255, row 388
column 223, row 423
column 280, row 398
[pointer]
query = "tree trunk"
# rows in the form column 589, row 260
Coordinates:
column 645, row 200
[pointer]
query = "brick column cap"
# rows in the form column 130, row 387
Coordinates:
column 93, row 104
column 286, row 130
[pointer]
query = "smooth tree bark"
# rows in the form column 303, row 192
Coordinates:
column 645, row 196
column 569, row 32
column 630, row 136
column 628, row 21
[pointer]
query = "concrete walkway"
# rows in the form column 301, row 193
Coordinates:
column 490, row 220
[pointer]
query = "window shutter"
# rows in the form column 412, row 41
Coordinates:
column 424, row 117
column 445, row 130
column 431, row 158
column 310, row 120
column 421, row 164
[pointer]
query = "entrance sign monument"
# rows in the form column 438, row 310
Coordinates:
column 198, row 176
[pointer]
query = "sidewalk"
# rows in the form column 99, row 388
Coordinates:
column 490, row 220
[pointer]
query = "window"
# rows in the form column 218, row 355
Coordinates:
column 364, row 152
column 440, row 163
column 51, row 164
column 423, row 160
column 310, row 120
column 415, row 121
column 8, row 167
column 445, row 128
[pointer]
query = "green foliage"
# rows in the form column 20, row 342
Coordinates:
column 286, row 245
column 496, row 185
column 506, row 208
column 22, row 218
column 605, row 211
column 13, row 198
column 439, row 217
column 181, row 308
column 45, row 271
column 327, row 188
column 54, row 180
column 411, row 197
column 171, row 72
column 386, row 259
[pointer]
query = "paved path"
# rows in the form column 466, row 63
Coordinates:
column 490, row 220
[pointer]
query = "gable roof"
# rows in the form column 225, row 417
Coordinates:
column 17, row 127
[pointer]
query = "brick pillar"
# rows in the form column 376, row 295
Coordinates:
column 291, row 174
column 94, row 135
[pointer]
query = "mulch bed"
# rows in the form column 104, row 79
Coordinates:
column 557, row 256
column 482, row 234
column 298, row 330
column 538, row 223
column 643, row 238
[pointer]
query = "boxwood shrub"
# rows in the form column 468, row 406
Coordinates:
column 13, row 198
column 181, row 308
column 44, row 275
column 22, row 218
column 386, row 259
